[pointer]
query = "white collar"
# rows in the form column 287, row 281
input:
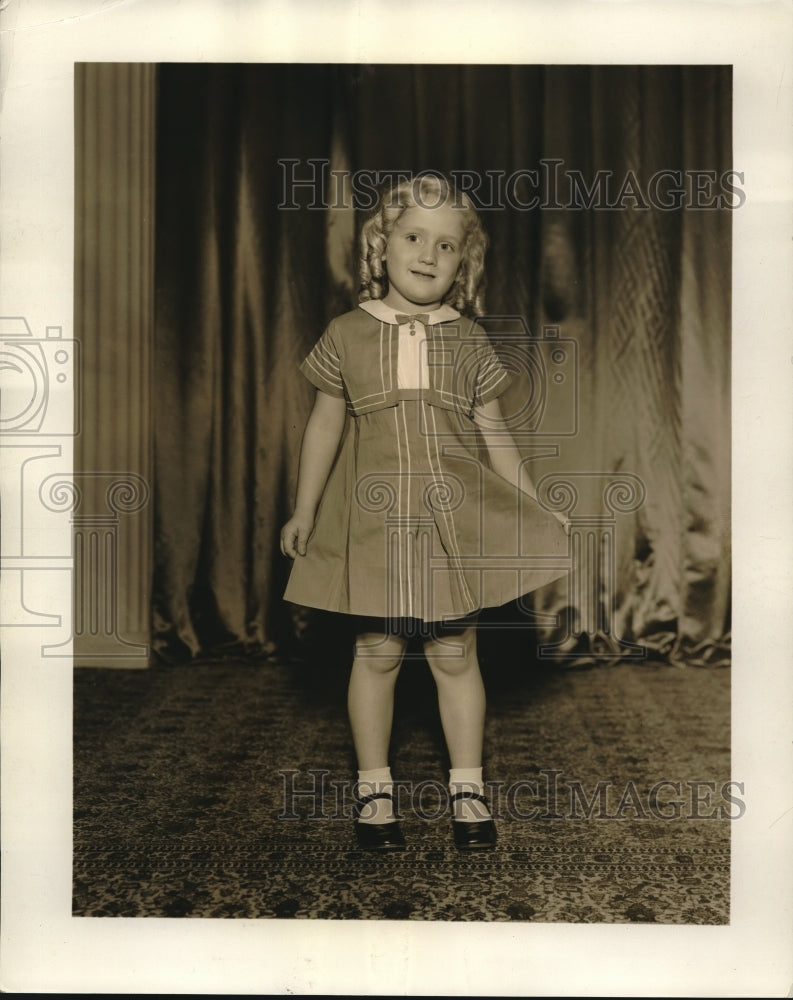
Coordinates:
column 378, row 309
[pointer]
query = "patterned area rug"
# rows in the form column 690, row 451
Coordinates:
column 192, row 797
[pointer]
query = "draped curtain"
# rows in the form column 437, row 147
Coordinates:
column 244, row 288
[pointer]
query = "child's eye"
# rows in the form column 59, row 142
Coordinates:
column 447, row 246
column 413, row 237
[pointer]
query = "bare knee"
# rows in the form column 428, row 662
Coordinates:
column 378, row 653
column 452, row 656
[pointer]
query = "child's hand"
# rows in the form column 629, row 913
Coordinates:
column 294, row 535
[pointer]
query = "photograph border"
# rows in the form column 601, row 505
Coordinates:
column 42, row 947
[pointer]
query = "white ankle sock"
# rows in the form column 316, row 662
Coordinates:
column 468, row 779
column 376, row 780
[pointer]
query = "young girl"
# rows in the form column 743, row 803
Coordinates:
column 402, row 526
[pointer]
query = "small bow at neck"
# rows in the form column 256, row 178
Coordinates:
column 423, row 318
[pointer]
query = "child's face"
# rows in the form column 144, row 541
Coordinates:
column 422, row 257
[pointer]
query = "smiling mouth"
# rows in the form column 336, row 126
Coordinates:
column 422, row 274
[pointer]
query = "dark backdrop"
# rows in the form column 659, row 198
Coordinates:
column 243, row 290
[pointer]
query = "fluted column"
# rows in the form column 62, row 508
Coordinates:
column 114, row 311
column 592, row 580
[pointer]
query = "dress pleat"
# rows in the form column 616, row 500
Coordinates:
column 412, row 524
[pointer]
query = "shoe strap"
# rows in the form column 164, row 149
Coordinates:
column 361, row 802
column 372, row 797
column 468, row 795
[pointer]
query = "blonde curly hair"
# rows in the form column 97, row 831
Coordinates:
column 466, row 293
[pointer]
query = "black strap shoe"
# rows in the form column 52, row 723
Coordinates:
column 377, row 836
column 473, row 836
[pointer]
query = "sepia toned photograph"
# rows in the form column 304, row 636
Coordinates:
column 421, row 376
column 396, row 480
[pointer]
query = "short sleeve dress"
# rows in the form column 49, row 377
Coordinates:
column 412, row 524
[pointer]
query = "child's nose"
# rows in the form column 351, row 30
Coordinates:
column 427, row 255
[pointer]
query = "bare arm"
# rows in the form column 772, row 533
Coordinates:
column 502, row 450
column 320, row 444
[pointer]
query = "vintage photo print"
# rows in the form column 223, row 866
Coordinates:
column 392, row 448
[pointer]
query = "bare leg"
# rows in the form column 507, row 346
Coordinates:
column 370, row 696
column 461, row 695
column 461, row 700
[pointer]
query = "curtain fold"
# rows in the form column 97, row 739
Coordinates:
column 245, row 287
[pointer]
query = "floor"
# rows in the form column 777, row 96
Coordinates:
column 193, row 796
